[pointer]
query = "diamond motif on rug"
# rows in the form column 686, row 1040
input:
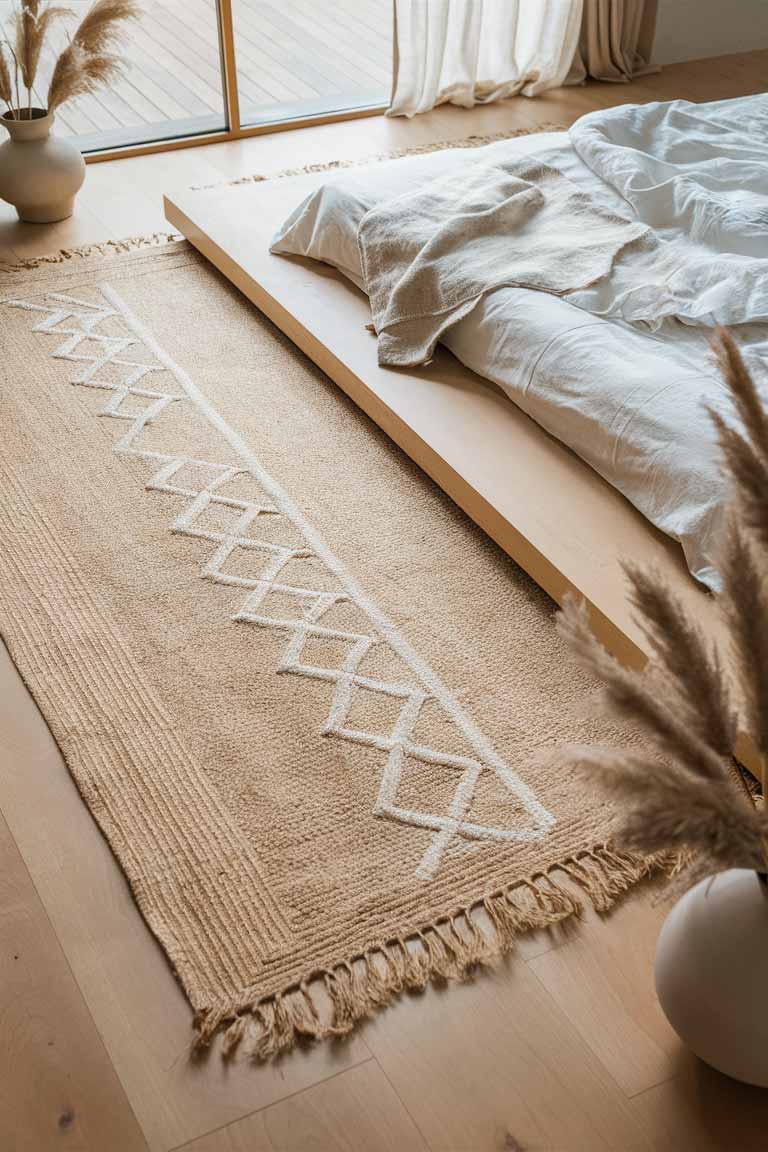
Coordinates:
column 140, row 391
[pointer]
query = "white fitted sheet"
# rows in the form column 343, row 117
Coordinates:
column 631, row 403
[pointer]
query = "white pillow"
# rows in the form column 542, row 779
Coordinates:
column 325, row 224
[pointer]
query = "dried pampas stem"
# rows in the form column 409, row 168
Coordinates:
column 744, row 564
column 745, row 606
column 101, row 26
column 77, row 74
column 32, row 24
column 85, row 65
column 630, row 696
column 16, row 71
column 691, row 669
column 685, row 801
column 6, row 89
column 667, row 811
column 743, row 392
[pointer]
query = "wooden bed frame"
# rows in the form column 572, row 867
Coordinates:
column 560, row 521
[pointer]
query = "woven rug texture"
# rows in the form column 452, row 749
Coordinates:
column 303, row 696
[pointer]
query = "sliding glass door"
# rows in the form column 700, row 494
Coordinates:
column 225, row 68
column 300, row 58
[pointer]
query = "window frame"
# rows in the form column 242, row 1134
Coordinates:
column 234, row 129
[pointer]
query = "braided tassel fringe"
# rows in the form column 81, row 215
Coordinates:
column 330, row 1003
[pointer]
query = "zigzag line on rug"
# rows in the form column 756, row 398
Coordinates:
column 84, row 318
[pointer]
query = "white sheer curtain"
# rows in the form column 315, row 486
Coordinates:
column 475, row 51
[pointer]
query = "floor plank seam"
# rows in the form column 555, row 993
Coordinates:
column 86, row 1006
column 405, row 1107
column 188, row 1144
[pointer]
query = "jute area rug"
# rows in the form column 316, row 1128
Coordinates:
column 301, row 694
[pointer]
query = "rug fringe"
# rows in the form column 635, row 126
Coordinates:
column 104, row 248
column 451, row 948
column 473, row 141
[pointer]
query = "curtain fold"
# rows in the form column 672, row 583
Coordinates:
column 616, row 40
column 470, row 52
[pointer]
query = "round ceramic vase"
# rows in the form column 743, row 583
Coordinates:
column 39, row 173
column 711, row 964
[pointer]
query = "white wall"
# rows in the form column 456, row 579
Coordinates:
column 693, row 29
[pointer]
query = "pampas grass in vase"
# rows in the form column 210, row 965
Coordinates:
column 680, row 797
column 38, row 174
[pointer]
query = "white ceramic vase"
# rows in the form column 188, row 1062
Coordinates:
column 711, row 964
column 39, row 173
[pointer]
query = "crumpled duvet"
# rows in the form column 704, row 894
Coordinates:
column 429, row 255
column 692, row 247
column 630, row 402
column 698, row 175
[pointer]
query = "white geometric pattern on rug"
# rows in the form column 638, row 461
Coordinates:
column 78, row 321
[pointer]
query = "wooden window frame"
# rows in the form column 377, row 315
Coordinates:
column 234, row 129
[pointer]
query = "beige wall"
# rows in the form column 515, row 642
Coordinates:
column 693, row 29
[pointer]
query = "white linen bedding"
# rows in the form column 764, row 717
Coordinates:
column 698, row 174
column 429, row 256
column 631, row 403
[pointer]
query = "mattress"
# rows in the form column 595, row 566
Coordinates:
column 631, row 402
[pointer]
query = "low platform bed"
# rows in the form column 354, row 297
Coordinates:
column 552, row 513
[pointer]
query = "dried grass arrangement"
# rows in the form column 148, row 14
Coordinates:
column 685, row 801
column 87, row 63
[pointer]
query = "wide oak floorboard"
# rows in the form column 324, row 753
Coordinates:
column 562, row 1049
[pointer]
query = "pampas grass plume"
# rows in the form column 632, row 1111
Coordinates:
column 6, row 87
column 77, row 74
column 32, row 25
column 103, row 24
column 680, row 798
column 86, row 64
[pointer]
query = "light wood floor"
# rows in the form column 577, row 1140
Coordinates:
column 562, row 1049
column 290, row 64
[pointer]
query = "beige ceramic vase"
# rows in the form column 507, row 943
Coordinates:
column 711, row 962
column 39, row 173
